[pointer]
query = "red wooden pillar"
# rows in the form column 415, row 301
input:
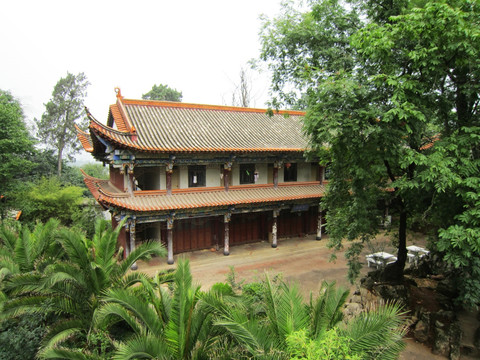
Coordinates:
column 277, row 165
column 132, row 241
column 122, row 237
column 227, row 168
column 274, row 228
column 168, row 174
column 226, row 237
column 170, row 240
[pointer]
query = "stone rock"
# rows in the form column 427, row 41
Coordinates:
column 398, row 293
column 441, row 340
column 352, row 309
column 455, row 334
column 421, row 331
column 447, row 287
column 356, row 299
column 426, row 283
column 446, row 315
column 476, row 339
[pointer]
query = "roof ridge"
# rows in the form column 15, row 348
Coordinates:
column 175, row 104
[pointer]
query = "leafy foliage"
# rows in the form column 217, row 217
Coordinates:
column 49, row 198
column 163, row 92
column 331, row 346
column 392, row 104
column 21, row 338
column 15, row 143
column 56, row 128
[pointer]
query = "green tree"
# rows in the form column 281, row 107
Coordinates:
column 401, row 115
column 73, row 286
column 56, row 128
column 15, row 143
column 163, row 92
column 49, row 198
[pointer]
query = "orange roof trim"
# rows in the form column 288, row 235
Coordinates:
column 173, row 104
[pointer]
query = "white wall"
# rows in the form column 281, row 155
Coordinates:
column 183, row 176
column 235, row 174
column 212, row 175
column 304, row 171
column 262, row 170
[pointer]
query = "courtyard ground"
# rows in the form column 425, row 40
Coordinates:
column 301, row 260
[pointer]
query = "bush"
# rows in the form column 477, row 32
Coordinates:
column 330, row 346
column 20, row 337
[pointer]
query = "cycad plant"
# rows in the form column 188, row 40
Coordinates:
column 166, row 323
column 74, row 285
column 376, row 334
column 24, row 251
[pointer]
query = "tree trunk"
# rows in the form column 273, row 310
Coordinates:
column 61, row 145
column 59, row 161
column 394, row 272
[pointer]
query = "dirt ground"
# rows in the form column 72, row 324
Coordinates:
column 301, row 260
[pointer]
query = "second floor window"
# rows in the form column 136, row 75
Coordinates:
column 196, row 176
column 247, row 173
column 290, row 172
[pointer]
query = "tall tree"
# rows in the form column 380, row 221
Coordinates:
column 163, row 92
column 56, row 128
column 392, row 104
column 15, row 143
column 241, row 95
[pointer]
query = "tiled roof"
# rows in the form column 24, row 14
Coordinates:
column 162, row 126
column 107, row 195
column 85, row 139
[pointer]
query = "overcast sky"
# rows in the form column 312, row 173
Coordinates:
column 197, row 47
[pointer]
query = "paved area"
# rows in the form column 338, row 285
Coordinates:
column 301, row 260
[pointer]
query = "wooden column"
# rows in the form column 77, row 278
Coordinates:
column 274, row 228
column 132, row 241
column 227, row 168
column 170, row 240
column 319, row 224
column 226, row 238
column 276, row 165
column 168, row 173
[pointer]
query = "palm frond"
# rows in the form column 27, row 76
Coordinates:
column 291, row 313
column 326, row 309
column 23, row 250
column 143, row 347
column 75, row 247
column 136, row 309
column 184, row 299
column 109, row 314
column 249, row 333
column 44, row 237
column 8, row 238
column 142, row 252
column 61, row 331
column 378, row 332
column 66, row 354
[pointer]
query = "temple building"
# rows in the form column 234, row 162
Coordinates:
column 202, row 176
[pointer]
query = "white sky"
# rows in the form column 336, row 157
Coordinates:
column 197, row 47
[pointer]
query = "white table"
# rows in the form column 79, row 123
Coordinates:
column 380, row 259
column 416, row 252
